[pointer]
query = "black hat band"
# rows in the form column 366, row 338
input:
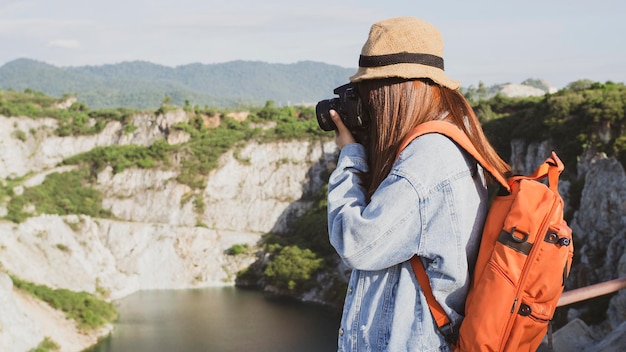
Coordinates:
column 401, row 58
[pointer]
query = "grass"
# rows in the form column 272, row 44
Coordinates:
column 86, row 309
column 60, row 193
column 47, row 345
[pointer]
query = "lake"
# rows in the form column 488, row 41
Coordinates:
column 221, row 319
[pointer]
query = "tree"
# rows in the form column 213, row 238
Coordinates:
column 292, row 268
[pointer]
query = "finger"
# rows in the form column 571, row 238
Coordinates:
column 343, row 135
column 341, row 127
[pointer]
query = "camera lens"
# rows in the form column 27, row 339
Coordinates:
column 322, row 110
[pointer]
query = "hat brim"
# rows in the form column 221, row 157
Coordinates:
column 404, row 70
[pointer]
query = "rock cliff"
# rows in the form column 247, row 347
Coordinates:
column 156, row 239
column 599, row 228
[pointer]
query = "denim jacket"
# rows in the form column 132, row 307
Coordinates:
column 433, row 204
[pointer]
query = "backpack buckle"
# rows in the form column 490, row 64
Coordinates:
column 447, row 331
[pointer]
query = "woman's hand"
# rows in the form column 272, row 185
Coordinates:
column 343, row 135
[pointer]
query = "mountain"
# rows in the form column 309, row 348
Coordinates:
column 234, row 84
column 144, row 85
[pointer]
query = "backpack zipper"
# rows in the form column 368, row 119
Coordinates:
column 531, row 256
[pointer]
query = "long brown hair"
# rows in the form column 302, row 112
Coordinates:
column 396, row 106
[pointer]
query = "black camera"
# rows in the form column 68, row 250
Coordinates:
column 349, row 107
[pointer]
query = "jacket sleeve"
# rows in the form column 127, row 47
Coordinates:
column 377, row 235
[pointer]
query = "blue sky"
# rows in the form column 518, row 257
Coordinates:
column 490, row 41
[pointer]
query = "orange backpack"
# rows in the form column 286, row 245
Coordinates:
column 524, row 259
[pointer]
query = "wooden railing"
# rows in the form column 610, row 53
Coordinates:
column 585, row 293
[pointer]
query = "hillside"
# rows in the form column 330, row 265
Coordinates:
column 144, row 85
column 235, row 84
column 112, row 202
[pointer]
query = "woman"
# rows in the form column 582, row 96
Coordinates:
column 431, row 201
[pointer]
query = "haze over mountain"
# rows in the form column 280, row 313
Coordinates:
column 234, row 84
column 140, row 84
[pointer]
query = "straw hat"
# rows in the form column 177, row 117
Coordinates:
column 404, row 47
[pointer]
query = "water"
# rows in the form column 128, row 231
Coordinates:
column 221, row 319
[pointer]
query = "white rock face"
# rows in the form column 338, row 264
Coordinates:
column 525, row 157
column 600, row 223
column 262, row 193
column 151, row 196
column 18, row 331
column 80, row 254
column 526, row 89
column 42, row 149
column 26, row 321
column 154, row 241
column 519, row 90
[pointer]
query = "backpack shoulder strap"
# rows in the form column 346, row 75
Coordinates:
column 449, row 130
column 439, row 314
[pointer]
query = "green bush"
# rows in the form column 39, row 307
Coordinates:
column 88, row 311
column 19, row 134
column 202, row 152
column 120, row 157
column 76, row 120
column 619, row 147
column 47, row 345
column 237, row 249
column 28, row 103
column 293, row 268
column 296, row 256
column 60, row 193
column 291, row 123
column 120, row 114
column 576, row 118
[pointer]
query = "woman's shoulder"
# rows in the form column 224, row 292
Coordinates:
column 433, row 147
column 434, row 155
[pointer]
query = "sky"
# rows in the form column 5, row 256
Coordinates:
column 488, row 41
